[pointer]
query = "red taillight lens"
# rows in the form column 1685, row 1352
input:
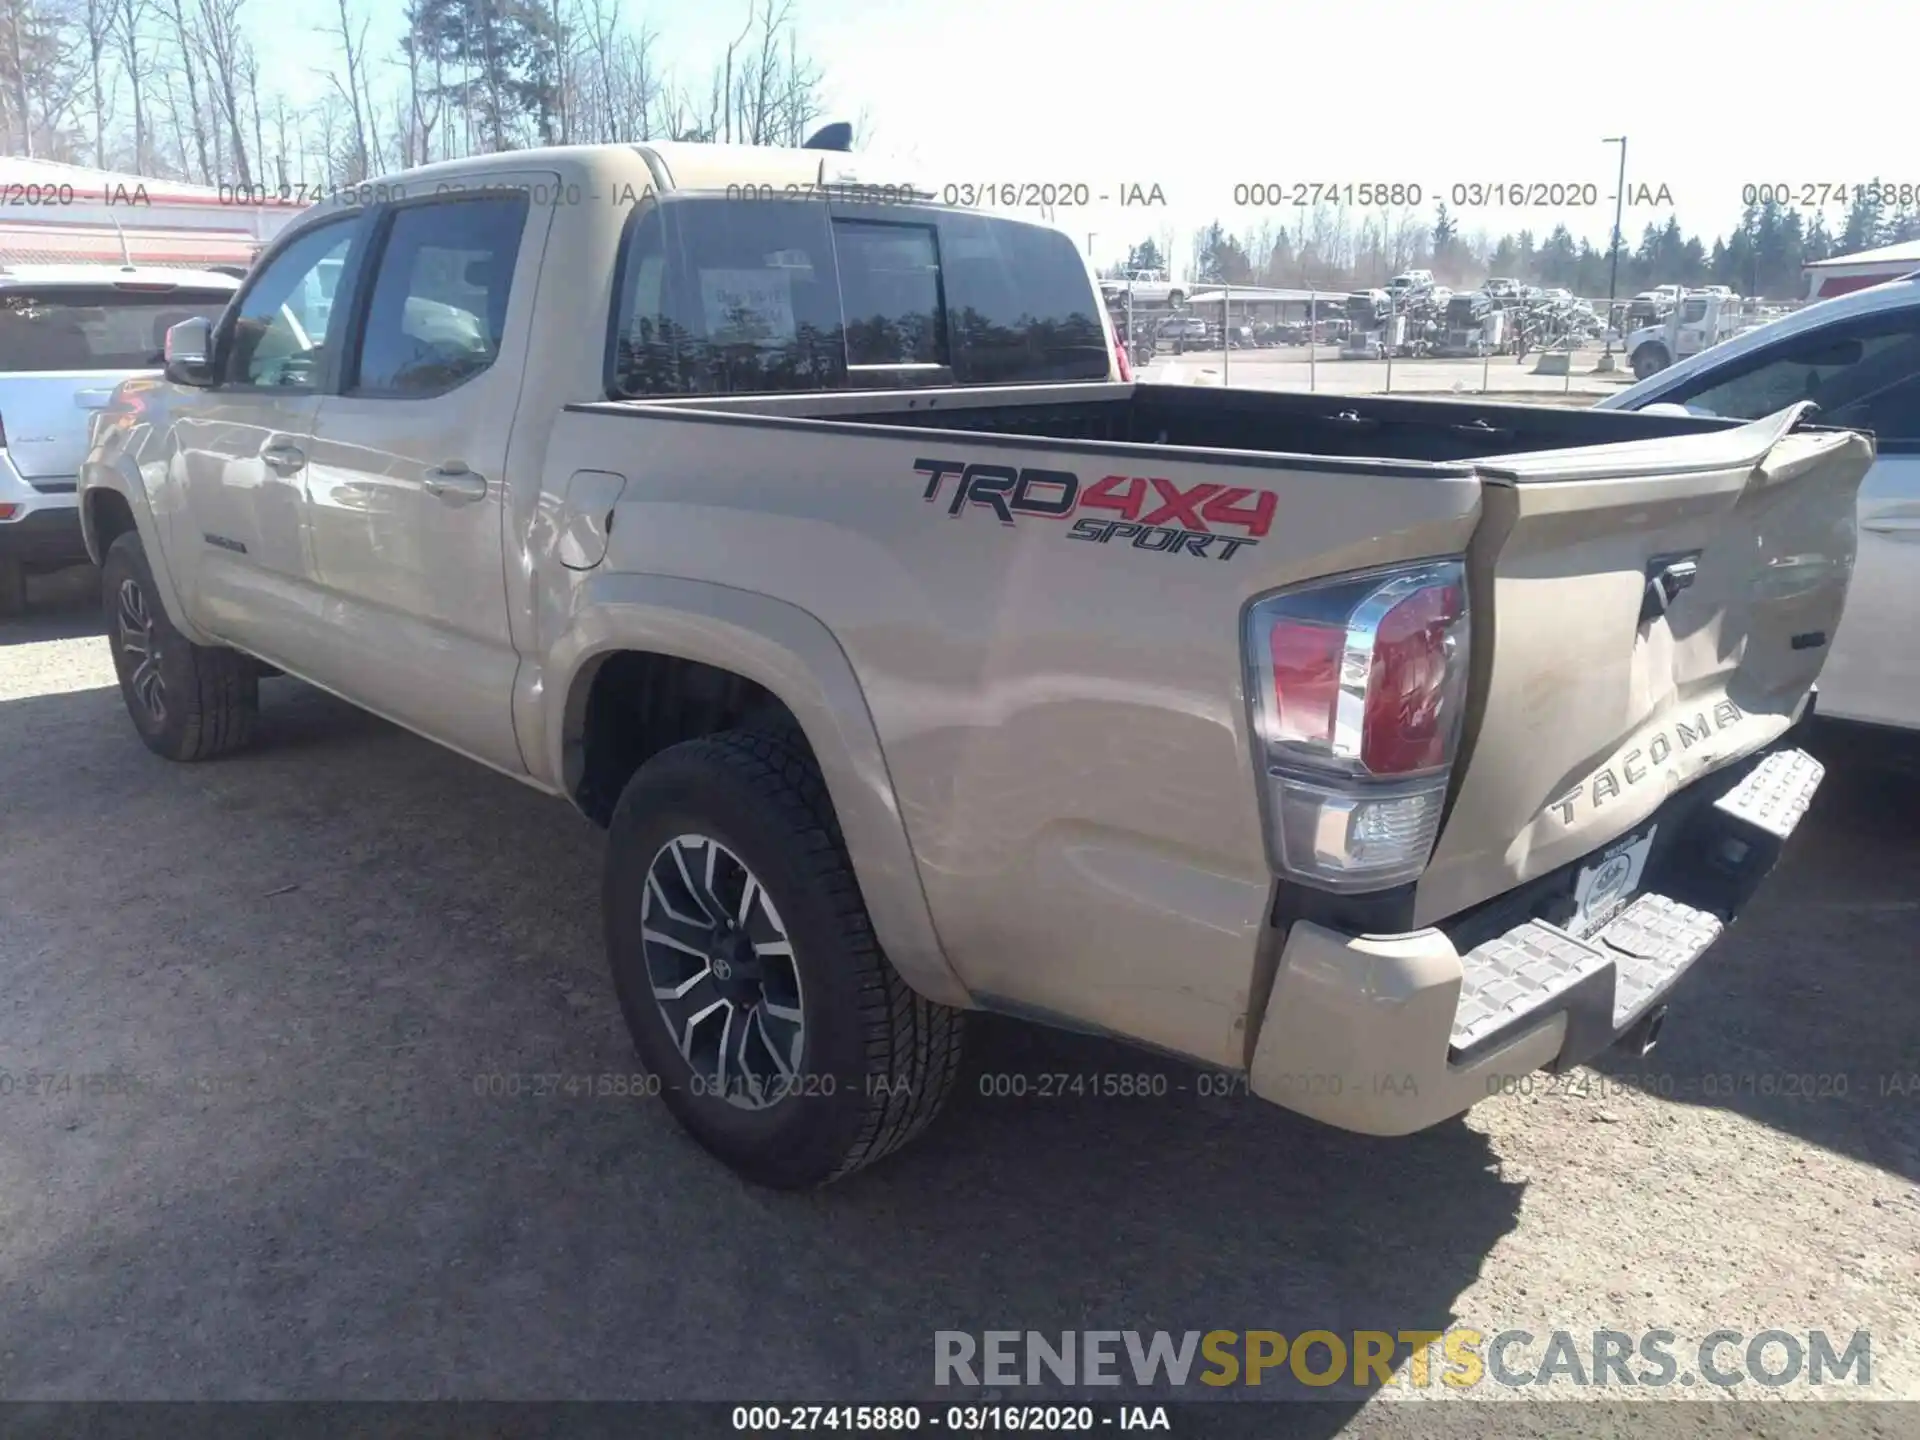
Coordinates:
column 1306, row 679
column 1126, row 366
column 1359, row 685
column 1411, row 687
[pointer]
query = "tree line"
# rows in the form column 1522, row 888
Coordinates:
column 176, row 88
column 1329, row 248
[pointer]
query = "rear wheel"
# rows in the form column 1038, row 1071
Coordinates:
column 748, row 971
column 189, row 702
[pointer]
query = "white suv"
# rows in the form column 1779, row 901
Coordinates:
column 1858, row 357
column 69, row 334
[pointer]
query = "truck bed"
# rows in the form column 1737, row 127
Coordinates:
column 1276, row 424
column 1041, row 592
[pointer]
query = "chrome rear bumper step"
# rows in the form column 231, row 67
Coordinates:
column 1776, row 794
column 1611, row 979
column 1617, row 972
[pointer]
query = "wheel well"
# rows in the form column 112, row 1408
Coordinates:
column 110, row 517
column 637, row 703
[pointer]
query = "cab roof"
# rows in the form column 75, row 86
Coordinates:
column 675, row 165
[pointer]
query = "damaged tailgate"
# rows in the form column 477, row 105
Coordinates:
column 1647, row 614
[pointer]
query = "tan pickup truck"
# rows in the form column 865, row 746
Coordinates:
column 809, row 536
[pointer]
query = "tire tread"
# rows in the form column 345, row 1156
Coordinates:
column 222, row 703
column 914, row 1046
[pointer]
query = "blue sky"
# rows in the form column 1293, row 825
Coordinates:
column 1203, row 95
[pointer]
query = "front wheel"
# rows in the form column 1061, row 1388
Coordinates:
column 189, row 702
column 1649, row 360
column 748, row 971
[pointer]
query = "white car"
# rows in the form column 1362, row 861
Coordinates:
column 1858, row 357
column 68, row 335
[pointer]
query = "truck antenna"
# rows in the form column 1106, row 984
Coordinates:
column 126, row 255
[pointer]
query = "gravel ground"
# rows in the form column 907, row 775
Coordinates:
column 316, row 953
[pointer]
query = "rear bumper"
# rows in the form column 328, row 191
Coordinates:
column 43, row 523
column 1390, row 1034
column 45, row 535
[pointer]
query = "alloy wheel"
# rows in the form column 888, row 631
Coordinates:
column 142, row 648
column 721, row 967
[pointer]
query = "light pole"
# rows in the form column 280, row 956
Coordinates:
column 1613, row 259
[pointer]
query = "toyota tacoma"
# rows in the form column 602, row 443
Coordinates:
column 811, row 538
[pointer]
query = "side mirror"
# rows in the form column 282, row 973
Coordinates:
column 189, row 352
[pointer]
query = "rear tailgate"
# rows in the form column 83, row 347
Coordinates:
column 47, row 417
column 1645, row 614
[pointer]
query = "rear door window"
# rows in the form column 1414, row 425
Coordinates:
column 440, row 294
column 95, row 327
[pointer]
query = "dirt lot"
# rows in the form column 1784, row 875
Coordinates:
column 316, row 955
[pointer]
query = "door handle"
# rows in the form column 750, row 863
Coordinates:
column 284, row 458
column 1894, row 525
column 93, row 399
column 454, row 481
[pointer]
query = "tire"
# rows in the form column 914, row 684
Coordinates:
column 1649, row 360
column 192, row 702
column 870, row 1062
column 13, row 588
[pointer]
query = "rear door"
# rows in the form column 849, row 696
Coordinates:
column 1657, row 610
column 406, row 491
column 63, row 348
column 1863, row 373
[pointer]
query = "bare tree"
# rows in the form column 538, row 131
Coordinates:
column 127, row 32
column 361, row 158
column 227, row 54
column 280, row 150
column 97, row 28
column 426, row 103
column 187, row 44
column 39, row 77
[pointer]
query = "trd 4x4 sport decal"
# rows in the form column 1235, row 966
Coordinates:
column 1150, row 511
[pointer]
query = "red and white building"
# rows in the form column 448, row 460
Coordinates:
column 56, row 214
column 1846, row 273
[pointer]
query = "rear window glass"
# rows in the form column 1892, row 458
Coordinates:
column 732, row 296
column 94, row 328
column 1019, row 303
column 890, row 293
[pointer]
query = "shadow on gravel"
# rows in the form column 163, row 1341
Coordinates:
column 61, row 605
column 1807, row 1017
column 340, row 966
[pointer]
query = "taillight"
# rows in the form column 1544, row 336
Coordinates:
column 1126, row 369
column 1358, row 688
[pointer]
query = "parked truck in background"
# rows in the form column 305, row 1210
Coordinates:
column 1372, row 749
column 1697, row 321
